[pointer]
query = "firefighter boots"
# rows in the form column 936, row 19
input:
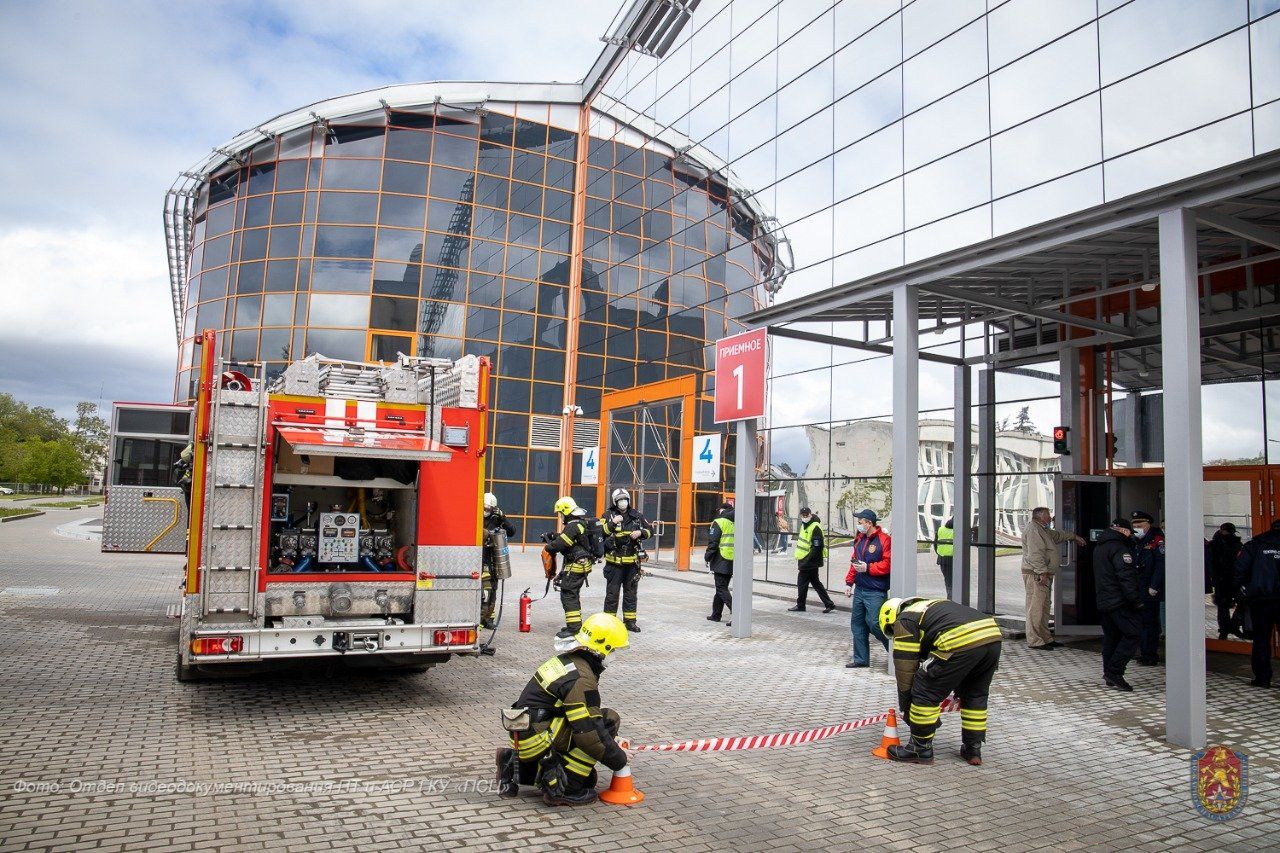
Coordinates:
column 632, row 626
column 972, row 753
column 507, row 771
column 570, row 797
column 913, row 751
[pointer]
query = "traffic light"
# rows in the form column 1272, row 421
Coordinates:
column 1061, row 442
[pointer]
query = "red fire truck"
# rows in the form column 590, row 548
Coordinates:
column 332, row 512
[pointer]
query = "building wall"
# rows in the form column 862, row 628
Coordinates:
column 882, row 132
column 438, row 232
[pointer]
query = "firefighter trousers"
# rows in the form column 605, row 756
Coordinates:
column 968, row 674
column 488, row 595
column 580, row 768
column 571, row 582
column 622, row 578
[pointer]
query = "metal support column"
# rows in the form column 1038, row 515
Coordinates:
column 906, row 439
column 1183, row 481
column 987, row 490
column 1069, row 405
column 961, row 462
column 1133, row 429
column 744, row 525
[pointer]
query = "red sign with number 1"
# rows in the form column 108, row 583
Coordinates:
column 740, row 376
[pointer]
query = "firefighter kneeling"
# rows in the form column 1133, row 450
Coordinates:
column 558, row 729
column 940, row 647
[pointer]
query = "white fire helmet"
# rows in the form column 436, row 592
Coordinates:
column 490, row 501
column 621, row 495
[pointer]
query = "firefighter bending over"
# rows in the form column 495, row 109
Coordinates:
column 940, row 647
column 566, row 731
column 573, row 542
column 624, row 529
column 494, row 519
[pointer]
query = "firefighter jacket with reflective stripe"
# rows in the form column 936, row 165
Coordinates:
column 811, row 545
column 620, row 547
column 719, row 554
column 937, row 629
column 566, row 690
column 944, row 542
column 572, row 543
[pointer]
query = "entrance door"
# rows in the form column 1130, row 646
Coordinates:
column 1085, row 506
column 664, row 523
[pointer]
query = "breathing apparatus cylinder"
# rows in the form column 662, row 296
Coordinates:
column 305, row 564
column 501, row 555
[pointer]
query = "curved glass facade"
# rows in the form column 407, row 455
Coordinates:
column 440, row 231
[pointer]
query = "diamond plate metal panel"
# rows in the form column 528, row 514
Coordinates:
column 233, row 506
column 237, row 420
column 129, row 522
column 453, row 597
column 235, row 465
column 229, row 547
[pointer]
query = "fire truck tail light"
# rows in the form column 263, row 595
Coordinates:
column 455, row 637
column 217, row 645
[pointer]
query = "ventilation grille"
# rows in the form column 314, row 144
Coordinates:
column 586, row 434
column 544, row 433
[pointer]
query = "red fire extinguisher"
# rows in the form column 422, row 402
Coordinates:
column 526, row 603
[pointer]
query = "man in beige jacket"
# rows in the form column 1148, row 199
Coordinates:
column 1039, row 564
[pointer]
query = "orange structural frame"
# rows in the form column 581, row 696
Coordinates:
column 685, row 389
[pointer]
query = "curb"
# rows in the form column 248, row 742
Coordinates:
column 31, row 514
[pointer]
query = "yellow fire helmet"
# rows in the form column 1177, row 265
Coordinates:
column 565, row 506
column 602, row 634
column 889, row 613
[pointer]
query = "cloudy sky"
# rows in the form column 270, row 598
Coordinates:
column 107, row 102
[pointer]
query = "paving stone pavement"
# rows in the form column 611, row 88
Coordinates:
column 353, row 761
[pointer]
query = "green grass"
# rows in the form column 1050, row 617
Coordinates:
column 7, row 511
column 72, row 504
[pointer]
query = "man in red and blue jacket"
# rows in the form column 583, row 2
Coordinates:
column 868, row 583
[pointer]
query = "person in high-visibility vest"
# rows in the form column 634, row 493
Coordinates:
column 811, row 553
column 944, row 547
column 719, row 559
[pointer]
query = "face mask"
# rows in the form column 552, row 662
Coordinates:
column 623, row 504
column 864, row 529
column 1139, row 533
column 805, row 519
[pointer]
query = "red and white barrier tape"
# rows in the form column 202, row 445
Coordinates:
column 773, row 741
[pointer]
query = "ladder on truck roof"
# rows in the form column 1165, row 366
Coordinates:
column 233, row 498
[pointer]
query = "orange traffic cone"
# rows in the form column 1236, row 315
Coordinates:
column 621, row 791
column 890, row 736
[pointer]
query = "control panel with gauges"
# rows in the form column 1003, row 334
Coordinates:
column 339, row 537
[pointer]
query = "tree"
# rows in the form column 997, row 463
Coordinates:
column 64, row 464
column 90, row 432
column 1023, row 423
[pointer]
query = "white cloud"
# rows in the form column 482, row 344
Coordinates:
column 107, row 102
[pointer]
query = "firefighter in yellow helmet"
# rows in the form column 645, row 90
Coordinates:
column 559, row 731
column 580, row 544
column 940, row 647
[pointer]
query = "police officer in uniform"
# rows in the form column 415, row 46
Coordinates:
column 494, row 519
column 1119, row 597
column 939, row 647
column 944, row 547
column 1149, row 540
column 719, row 559
column 811, row 552
column 624, row 529
column 568, row 729
column 572, row 542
